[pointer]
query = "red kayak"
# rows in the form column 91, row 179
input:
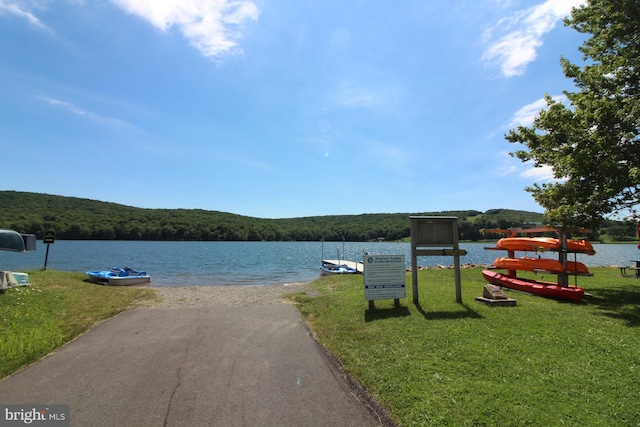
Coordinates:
column 546, row 289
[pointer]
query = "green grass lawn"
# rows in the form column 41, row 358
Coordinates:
column 57, row 307
column 541, row 363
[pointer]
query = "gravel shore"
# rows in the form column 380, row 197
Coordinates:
column 237, row 295
column 224, row 295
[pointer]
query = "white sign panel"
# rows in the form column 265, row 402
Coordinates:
column 384, row 277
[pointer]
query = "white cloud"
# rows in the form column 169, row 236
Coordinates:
column 211, row 26
column 542, row 173
column 513, row 166
column 63, row 104
column 525, row 115
column 352, row 96
column 110, row 121
column 20, row 10
column 522, row 33
column 506, row 170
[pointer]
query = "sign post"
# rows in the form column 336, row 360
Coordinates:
column 429, row 232
column 48, row 238
column 384, row 278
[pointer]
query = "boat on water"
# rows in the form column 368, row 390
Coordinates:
column 546, row 289
column 539, row 265
column 119, row 276
column 331, row 267
column 543, row 244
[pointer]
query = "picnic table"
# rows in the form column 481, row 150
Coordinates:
column 635, row 267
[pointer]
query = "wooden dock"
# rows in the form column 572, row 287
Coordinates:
column 352, row 264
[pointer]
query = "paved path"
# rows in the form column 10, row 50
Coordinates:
column 209, row 366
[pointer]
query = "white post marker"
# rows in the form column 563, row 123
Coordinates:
column 384, row 278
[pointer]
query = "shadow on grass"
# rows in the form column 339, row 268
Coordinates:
column 465, row 312
column 621, row 303
column 385, row 313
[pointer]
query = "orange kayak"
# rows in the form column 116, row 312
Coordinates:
column 543, row 244
column 538, row 264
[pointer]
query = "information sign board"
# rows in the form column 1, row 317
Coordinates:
column 49, row 237
column 428, row 232
column 434, row 231
column 384, row 277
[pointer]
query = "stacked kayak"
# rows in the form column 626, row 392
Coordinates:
column 546, row 289
column 512, row 264
column 539, row 265
column 541, row 244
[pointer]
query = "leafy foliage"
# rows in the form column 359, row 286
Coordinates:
column 593, row 144
column 75, row 218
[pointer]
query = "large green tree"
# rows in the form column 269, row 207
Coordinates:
column 592, row 141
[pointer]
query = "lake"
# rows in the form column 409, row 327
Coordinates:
column 248, row 263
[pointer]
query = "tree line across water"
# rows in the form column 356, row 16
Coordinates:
column 74, row 218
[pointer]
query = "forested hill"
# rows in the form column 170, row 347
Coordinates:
column 76, row 218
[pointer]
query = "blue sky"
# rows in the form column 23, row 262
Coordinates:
column 278, row 109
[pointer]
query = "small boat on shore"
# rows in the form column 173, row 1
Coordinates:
column 543, row 244
column 331, row 267
column 119, row 276
column 546, row 289
column 539, row 265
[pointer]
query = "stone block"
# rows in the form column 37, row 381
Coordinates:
column 493, row 292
